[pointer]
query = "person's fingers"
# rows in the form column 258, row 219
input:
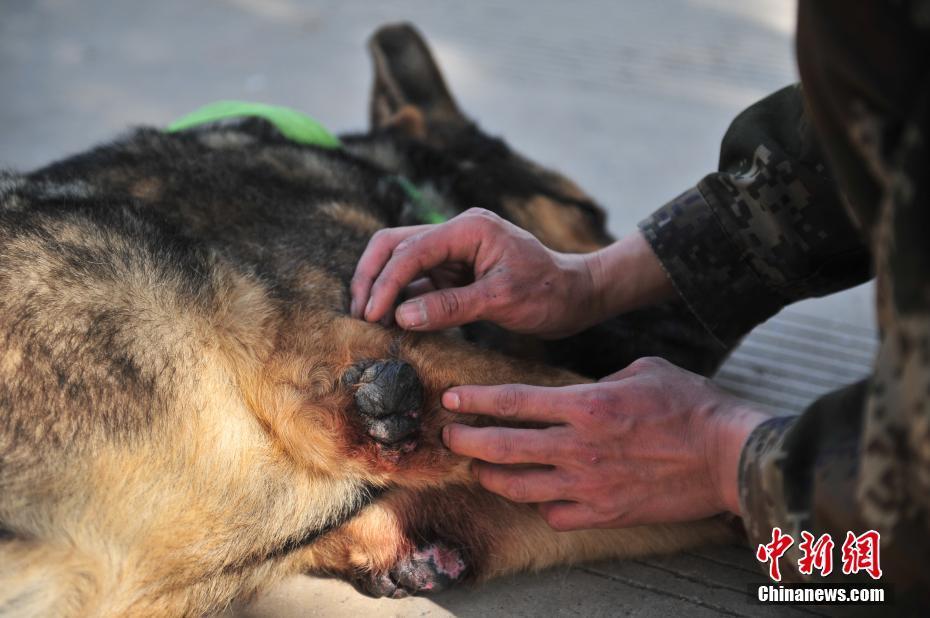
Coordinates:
column 451, row 275
column 564, row 516
column 445, row 276
column 523, row 484
column 503, row 445
column 544, row 404
column 442, row 308
column 418, row 287
column 376, row 254
column 455, row 241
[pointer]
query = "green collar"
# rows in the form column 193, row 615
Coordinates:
column 302, row 129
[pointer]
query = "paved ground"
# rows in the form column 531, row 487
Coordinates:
column 630, row 98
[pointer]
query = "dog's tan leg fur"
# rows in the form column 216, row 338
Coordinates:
column 298, row 397
column 436, row 494
column 262, row 446
column 495, row 536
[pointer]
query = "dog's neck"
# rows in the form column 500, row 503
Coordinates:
column 419, row 171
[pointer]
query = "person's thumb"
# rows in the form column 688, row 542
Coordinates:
column 442, row 309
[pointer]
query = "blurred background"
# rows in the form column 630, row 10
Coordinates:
column 628, row 97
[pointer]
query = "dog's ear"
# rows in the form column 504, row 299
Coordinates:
column 408, row 120
column 407, row 76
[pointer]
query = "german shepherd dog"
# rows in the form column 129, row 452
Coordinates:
column 187, row 411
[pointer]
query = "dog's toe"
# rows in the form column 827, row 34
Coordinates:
column 378, row 585
column 388, row 396
column 430, row 568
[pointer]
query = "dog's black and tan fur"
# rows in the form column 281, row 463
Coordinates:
column 180, row 411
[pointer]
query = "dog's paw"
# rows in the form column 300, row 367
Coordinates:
column 429, row 568
column 388, row 396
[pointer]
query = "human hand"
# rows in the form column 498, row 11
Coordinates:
column 652, row 443
column 476, row 266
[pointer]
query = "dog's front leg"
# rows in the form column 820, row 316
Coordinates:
column 415, row 542
column 435, row 526
column 396, row 386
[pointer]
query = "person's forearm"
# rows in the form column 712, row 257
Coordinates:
column 627, row 275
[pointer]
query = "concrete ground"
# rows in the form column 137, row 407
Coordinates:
column 630, row 98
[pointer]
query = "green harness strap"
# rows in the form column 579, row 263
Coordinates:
column 299, row 128
column 424, row 209
column 292, row 124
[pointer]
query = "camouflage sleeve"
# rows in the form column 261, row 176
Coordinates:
column 794, row 467
column 767, row 229
column 858, row 459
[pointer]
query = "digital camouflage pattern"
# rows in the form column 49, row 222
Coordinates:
column 781, row 222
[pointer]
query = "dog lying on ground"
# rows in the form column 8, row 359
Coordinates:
column 187, row 413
